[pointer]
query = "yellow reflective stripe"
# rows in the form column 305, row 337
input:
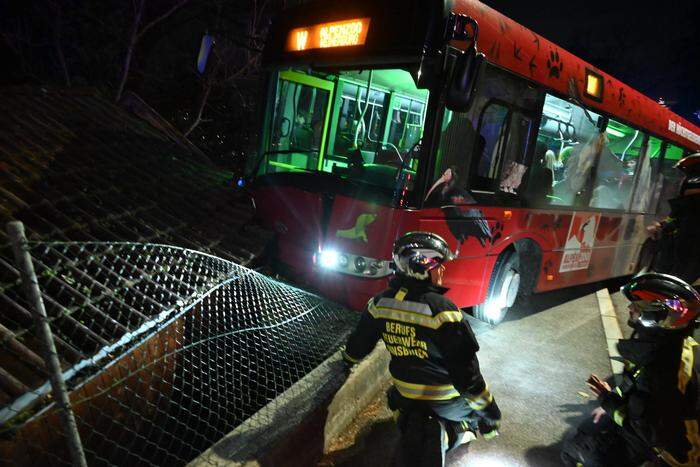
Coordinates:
column 685, row 371
column 618, row 391
column 480, row 401
column 406, row 305
column 401, row 294
column 427, row 397
column 619, row 415
column 425, row 391
column 693, row 456
column 439, row 387
column 432, row 322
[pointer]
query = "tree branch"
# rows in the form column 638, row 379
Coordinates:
column 130, row 49
column 200, row 111
column 157, row 20
column 56, row 24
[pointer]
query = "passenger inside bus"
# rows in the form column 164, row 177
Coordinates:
column 540, row 177
column 615, row 174
column 570, row 132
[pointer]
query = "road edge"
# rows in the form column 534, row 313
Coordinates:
column 611, row 327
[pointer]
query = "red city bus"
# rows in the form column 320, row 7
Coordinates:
column 385, row 117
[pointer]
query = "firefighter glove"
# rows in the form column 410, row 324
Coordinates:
column 490, row 414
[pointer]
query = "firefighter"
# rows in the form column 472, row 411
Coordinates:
column 434, row 366
column 652, row 416
column 678, row 237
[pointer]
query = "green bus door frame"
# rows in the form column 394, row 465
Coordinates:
column 319, row 83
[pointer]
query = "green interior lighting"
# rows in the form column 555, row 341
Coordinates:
column 654, row 149
column 614, row 132
column 673, row 153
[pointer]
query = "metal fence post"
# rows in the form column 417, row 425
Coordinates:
column 23, row 260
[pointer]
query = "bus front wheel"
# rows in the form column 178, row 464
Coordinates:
column 503, row 289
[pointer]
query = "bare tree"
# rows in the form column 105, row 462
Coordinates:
column 57, row 24
column 137, row 33
column 235, row 59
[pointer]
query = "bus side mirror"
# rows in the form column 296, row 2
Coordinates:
column 460, row 87
column 204, row 52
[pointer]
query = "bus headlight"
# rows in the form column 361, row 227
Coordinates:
column 360, row 264
column 329, row 259
column 355, row 265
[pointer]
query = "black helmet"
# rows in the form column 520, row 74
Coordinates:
column 416, row 253
column 690, row 166
column 665, row 302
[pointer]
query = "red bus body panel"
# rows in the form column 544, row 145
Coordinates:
column 296, row 216
column 520, row 50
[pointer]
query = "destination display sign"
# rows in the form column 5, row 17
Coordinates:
column 327, row 35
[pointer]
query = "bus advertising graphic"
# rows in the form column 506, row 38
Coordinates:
column 579, row 242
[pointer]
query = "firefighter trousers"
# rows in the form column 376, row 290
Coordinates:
column 605, row 444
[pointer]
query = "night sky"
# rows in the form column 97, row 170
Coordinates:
column 652, row 46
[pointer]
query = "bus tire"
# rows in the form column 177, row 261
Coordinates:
column 503, row 289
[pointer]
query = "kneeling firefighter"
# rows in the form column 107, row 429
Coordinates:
column 438, row 391
column 652, row 416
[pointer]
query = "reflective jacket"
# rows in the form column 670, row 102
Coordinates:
column 658, row 402
column 432, row 347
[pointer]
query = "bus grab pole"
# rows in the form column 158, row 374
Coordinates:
column 23, row 259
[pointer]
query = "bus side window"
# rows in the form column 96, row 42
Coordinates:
column 617, row 166
column 503, row 133
column 513, row 166
column 489, row 145
column 567, row 147
column 647, row 188
column 406, row 124
column 670, row 179
column 476, row 150
column 458, row 137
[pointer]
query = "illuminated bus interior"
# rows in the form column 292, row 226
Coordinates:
column 359, row 124
column 631, row 170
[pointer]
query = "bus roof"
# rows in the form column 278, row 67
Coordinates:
column 520, row 50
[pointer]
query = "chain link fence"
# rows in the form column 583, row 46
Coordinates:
column 163, row 350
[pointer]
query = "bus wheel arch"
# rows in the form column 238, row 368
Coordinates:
column 530, row 254
column 515, row 273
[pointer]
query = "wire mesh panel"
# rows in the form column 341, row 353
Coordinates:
column 164, row 350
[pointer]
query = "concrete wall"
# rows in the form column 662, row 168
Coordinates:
column 298, row 426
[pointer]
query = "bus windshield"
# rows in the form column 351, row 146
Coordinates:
column 361, row 125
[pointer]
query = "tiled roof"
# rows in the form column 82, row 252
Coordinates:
column 76, row 167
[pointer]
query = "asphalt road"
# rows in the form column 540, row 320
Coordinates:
column 536, row 364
